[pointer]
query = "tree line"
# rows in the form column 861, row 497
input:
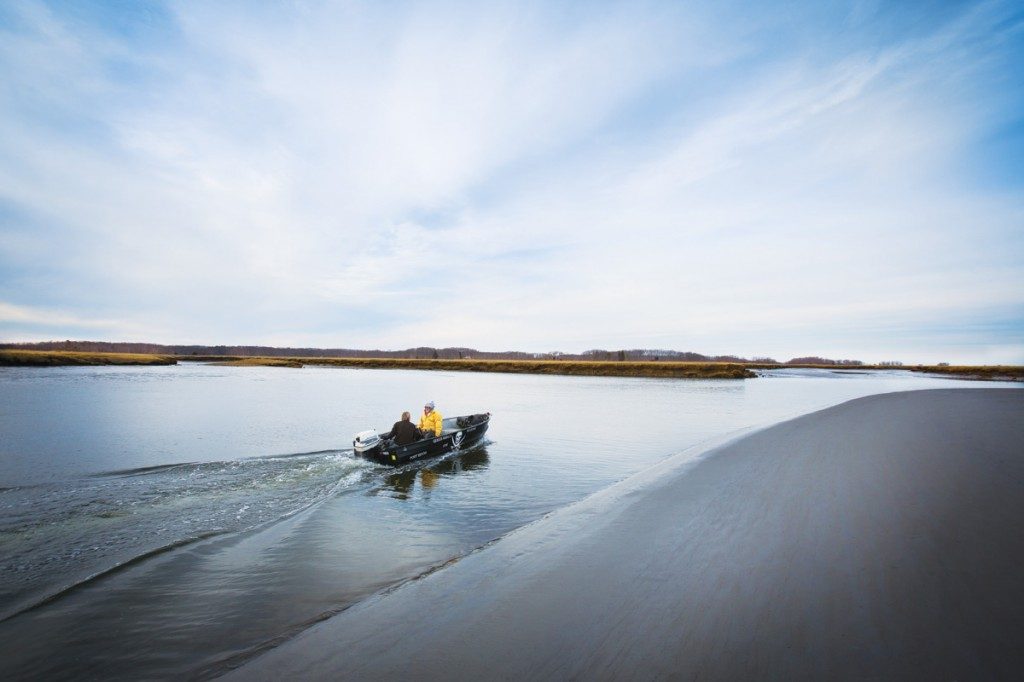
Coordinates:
column 418, row 352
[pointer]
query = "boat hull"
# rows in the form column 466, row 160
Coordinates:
column 469, row 430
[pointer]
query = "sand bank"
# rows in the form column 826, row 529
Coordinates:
column 882, row 538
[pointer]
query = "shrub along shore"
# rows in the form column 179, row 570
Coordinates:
column 655, row 369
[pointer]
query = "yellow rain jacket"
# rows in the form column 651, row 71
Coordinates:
column 431, row 422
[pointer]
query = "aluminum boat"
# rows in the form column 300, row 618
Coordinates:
column 456, row 433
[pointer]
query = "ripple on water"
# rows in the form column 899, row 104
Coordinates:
column 55, row 535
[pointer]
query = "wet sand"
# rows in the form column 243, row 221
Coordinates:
column 882, row 538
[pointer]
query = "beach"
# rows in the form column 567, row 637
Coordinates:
column 881, row 538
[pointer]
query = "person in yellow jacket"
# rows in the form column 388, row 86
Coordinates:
column 430, row 422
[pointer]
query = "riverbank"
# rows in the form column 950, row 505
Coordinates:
column 665, row 370
column 50, row 358
column 652, row 369
column 970, row 372
column 982, row 373
column 260, row 362
column 655, row 369
column 877, row 539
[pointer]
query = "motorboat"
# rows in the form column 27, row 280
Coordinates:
column 456, row 433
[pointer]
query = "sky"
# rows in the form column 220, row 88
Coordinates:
column 843, row 179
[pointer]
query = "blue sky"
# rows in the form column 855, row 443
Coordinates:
column 841, row 179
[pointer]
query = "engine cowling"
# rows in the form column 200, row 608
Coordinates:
column 366, row 441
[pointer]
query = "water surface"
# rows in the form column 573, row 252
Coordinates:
column 174, row 521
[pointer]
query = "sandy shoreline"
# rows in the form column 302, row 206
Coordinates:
column 882, row 538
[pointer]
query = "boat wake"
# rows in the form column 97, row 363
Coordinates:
column 55, row 538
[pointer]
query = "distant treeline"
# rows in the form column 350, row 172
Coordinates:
column 419, row 353
column 815, row 360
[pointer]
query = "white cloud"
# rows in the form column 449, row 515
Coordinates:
column 24, row 315
column 505, row 177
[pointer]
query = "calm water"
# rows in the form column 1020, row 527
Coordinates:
column 174, row 521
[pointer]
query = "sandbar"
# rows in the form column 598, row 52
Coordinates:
column 882, row 538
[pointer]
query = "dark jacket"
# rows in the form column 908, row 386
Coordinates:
column 404, row 433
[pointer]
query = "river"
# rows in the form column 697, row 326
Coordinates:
column 175, row 521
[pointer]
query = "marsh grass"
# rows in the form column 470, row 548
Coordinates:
column 261, row 362
column 52, row 358
column 985, row 372
column 668, row 370
column 978, row 372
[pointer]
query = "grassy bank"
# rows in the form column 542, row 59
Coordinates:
column 668, row 370
column 984, row 373
column 47, row 358
column 260, row 362
column 976, row 372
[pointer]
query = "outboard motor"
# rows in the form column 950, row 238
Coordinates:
column 367, row 443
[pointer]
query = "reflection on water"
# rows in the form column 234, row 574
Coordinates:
column 400, row 484
column 228, row 541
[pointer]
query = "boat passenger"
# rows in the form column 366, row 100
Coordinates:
column 403, row 431
column 430, row 422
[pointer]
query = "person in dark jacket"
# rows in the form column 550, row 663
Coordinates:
column 403, row 431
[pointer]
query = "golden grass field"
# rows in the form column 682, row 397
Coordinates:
column 977, row 372
column 667, row 370
column 49, row 358
column 260, row 362
column 677, row 370
column 989, row 372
